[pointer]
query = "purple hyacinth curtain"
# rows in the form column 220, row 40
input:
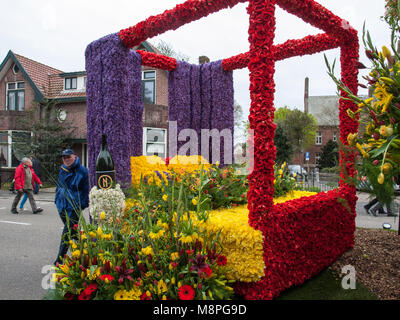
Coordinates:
column 201, row 97
column 114, row 104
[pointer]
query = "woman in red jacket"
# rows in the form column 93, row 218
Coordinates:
column 25, row 179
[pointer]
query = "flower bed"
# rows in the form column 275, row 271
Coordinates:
column 188, row 243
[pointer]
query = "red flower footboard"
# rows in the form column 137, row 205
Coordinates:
column 301, row 238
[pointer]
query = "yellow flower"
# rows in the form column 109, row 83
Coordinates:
column 99, row 232
column 148, row 251
column 102, row 215
column 360, row 147
column 385, row 131
column 386, row 168
column 76, row 254
column 165, row 197
column 162, row 287
column 381, row 178
column 386, row 52
column 194, row 201
column 352, row 138
column 370, row 128
column 121, row 295
column 173, row 280
column 174, row 256
column 64, row 268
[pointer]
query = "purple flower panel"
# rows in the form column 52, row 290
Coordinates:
column 114, row 104
column 201, row 97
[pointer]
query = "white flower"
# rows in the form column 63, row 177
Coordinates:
column 111, row 202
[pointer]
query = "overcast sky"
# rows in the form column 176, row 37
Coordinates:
column 57, row 32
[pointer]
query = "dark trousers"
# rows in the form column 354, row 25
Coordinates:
column 68, row 233
column 18, row 197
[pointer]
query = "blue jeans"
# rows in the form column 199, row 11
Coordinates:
column 21, row 205
column 68, row 233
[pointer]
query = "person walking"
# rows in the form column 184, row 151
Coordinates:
column 36, row 168
column 72, row 196
column 25, row 177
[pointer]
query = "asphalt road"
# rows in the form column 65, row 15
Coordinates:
column 29, row 244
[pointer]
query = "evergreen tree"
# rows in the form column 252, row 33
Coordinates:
column 284, row 150
column 48, row 138
column 329, row 156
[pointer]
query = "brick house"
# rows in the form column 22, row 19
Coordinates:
column 325, row 109
column 24, row 81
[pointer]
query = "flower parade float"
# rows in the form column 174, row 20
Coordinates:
column 171, row 244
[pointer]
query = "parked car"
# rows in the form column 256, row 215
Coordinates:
column 299, row 170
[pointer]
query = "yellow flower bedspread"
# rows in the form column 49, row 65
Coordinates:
column 242, row 245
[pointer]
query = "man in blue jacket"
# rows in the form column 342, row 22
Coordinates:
column 72, row 196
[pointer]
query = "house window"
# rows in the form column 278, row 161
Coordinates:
column 4, row 149
column 149, row 87
column 318, row 138
column 84, row 82
column 12, row 147
column 15, row 69
column 155, row 142
column 70, row 83
column 15, row 96
column 334, row 137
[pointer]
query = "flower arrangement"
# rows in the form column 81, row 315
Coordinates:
column 284, row 182
column 106, row 204
column 147, row 254
column 379, row 143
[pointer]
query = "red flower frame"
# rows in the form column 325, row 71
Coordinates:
column 302, row 236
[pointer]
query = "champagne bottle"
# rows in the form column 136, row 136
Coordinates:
column 105, row 171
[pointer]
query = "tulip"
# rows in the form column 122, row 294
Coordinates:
column 386, row 168
column 381, row 178
column 386, row 131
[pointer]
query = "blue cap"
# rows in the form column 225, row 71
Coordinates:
column 67, row 152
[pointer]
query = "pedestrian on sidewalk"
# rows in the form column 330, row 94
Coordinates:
column 72, row 196
column 36, row 168
column 25, row 178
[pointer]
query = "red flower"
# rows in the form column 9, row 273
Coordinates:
column 87, row 293
column 186, row 292
column 205, row 272
column 107, row 277
column 144, row 296
column 221, row 260
column 69, row 296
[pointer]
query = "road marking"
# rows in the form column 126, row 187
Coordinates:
column 13, row 222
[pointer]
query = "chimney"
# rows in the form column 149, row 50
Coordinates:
column 203, row 60
column 306, row 84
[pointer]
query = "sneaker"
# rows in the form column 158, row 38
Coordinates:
column 391, row 214
column 373, row 211
column 14, row 211
column 37, row 210
column 367, row 209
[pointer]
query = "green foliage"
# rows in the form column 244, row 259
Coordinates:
column 48, row 139
column 329, row 156
column 284, row 150
column 299, row 127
